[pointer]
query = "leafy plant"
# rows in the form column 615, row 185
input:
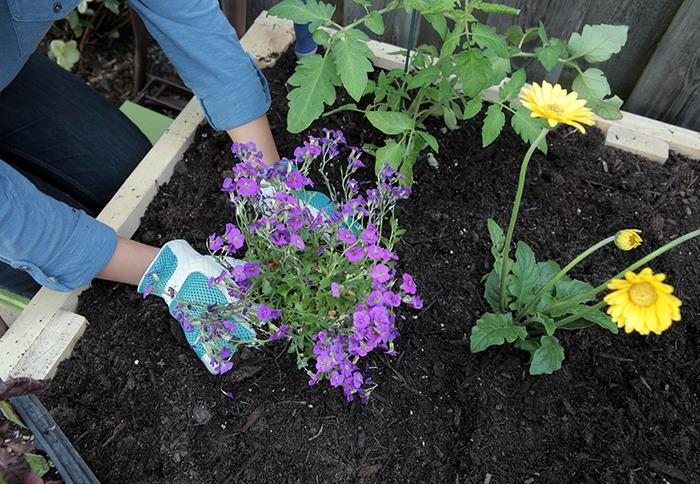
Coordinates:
column 318, row 271
column 531, row 300
column 445, row 82
column 64, row 53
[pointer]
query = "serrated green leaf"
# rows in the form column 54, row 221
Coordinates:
column 430, row 140
column 496, row 8
column 391, row 153
column 591, row 85
column 472, row 108
column 528, row 128
column 321, row 37
column 390, row 122
column 548, row 357
column 474, row 72
column 439, row 23
column 567, row 287
column 500, row 66
column 423, row 77
column 608, row 108
column 494, row 329
column 311, row 11
column 352, row 61
column 486, row 37
column 493, row 124
column 525, row 276
column 315, row 79
column 430, row 7
column 597, row 43
column 514, row 34
column 497, row 240
column 65, row 54
column 549, row 55
column 375, row 22
column 511, row 89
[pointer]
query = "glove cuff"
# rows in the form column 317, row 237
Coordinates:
column 155, row 279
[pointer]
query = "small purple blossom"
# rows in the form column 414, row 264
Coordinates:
column 246, row 186
column 234, row 236
column 380, row 273
column 215, row 242
column 355, row 254
column 417, row 302
column 408, row 284
column 346, row 236
column 335, row 289
column 280, row 333
column 264, row 312
column 297, row 241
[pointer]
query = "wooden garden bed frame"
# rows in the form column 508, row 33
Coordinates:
column 46, row 331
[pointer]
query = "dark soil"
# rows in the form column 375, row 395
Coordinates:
column 141, row 408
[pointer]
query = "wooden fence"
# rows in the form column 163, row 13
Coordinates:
column 657, row 73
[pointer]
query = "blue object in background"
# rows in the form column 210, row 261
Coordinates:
column 305, row 44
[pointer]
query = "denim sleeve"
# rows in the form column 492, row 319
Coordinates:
column 61, row 247
column 198, row 39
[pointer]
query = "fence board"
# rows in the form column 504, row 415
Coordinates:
column 670, row 84
column 647, row 19
column 396, row 23
column 561, row 18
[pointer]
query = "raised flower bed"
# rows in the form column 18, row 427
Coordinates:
column 139, row 407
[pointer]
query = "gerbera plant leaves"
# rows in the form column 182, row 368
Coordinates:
column 531, row 300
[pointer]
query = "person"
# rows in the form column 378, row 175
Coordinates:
column 65, row 150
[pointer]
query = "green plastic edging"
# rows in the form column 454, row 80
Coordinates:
column 12, row 301
column 151, row 123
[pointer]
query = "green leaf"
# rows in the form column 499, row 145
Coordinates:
column 514, row 34
column 567, row 287
column 439, row 23
column 474, row 72
column 37, row 464
column 548, row 357
column 589, row 319
column 498, row 238
column 525, row 276
column 390, row 122
column 375, row 22
column 430, row 7
column 491, row 290
column 530, row 345
column 542, row 33
column 496, row 8
column 391, row 153
column 313, row 12
column 112, row 6
column 493, row 124
column 547, row 270
column 494, row 329
column 472, row 108
column 315, row 79
column 423, row 77
column 511, row 89
column 448, row 115
column 608, row 108
column 352, row 61
column 591, row 85
column 597, row 43
column 321, row 37
column 65, row 54
column 430, row 140
column 486, row 37
column 528, row 128
column 549, row 55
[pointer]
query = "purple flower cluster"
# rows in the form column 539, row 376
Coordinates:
column 326, row 262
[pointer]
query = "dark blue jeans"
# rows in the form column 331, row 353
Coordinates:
column 69, row 141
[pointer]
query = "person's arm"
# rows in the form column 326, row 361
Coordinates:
column 198, row 39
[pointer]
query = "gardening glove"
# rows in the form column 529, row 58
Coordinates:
column 181, row 274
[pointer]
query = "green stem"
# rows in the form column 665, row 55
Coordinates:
column 574, row 317
column 653, row 255
column 514, row 214
column 562, row 273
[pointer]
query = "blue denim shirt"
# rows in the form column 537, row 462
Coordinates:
column 63, row 248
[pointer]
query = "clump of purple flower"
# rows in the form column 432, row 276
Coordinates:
column 320, row 271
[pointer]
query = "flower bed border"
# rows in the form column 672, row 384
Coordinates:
column 46, row 331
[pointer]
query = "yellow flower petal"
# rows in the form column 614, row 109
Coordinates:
column 556, row 105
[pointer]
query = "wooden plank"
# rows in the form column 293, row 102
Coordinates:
column 670, row 84
column 35, row 325
column 637, row 143
column 561, row 18
column 54, row 345
column 647, row 21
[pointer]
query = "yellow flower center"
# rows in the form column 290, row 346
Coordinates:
column 643, row 294
column 554, row 108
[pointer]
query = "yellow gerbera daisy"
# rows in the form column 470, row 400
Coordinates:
column 643, row 303
column 628, row 239
column 556, row 105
